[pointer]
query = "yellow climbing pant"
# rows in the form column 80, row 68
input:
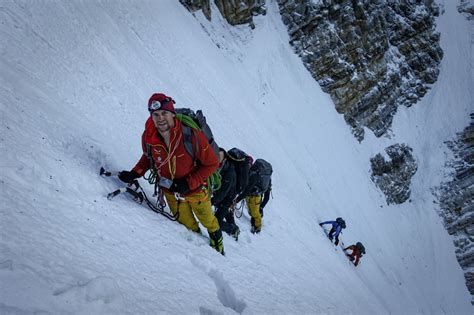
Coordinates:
column 253, row 203
column 197, row 203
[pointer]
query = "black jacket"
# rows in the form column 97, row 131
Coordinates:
column 226, row 194
column 242, row 172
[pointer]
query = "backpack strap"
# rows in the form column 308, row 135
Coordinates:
column 188, row 141
column 149, row 155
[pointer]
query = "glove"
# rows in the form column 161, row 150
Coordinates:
column 128, row 177
column 261, row 212
column 320, row 224
column 180, row 185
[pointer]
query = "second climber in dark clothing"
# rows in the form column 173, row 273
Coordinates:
column 257, row 192
column 223, row 198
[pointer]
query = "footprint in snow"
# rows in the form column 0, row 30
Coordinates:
column 102, row 289
column 225, row 293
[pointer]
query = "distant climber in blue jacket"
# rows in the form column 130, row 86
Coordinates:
column 336, row 228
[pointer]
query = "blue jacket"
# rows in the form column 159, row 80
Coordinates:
column 335, row 226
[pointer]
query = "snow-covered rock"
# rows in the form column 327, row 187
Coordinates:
column 370, row 56
column 393, row 176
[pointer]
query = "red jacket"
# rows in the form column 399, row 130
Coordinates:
column 356, row 254
column 175, row 161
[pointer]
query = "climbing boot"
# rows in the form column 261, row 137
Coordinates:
column 217, row 241
column 235, row 233
column 254, row 229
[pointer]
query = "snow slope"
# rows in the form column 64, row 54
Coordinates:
column 75, row 79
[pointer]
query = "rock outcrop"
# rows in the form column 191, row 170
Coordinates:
column 457, row 202
column 467, row 7
column 370, row 56
column 393, row 176
column 234, row 11
column 195, row 5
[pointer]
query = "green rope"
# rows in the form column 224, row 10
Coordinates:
column 188, row 121
column 214, row 182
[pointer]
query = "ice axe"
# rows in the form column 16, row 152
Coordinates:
column 105, row 173
column 137, row 195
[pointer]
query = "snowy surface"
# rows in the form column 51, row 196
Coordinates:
column 75, row 79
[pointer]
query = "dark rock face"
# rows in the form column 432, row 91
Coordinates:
column 467, row 7
column 370, row 56
column 234, row 11
column 457, row 202
column 393, row 176
column 195, row 5
column 241, row 12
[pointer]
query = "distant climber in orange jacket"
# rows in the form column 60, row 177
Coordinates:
column 357, row 251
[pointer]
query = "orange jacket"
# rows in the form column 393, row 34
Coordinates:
column 175, row 162
column 356, row 254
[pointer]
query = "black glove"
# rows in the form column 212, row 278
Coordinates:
column 261, row 212
column 128, row 177
column 180, row 185
column 320, row 224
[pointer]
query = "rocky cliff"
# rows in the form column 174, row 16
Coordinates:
column 234, row 11
column 370, row 56
column 457, row 201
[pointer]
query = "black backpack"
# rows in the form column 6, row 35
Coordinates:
column 187, row 117
column 242, row 163
column 360, row 247
column 264, row 171
column 341, row 222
